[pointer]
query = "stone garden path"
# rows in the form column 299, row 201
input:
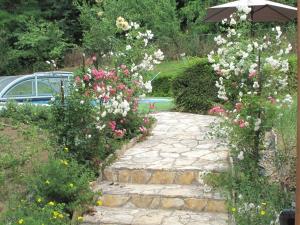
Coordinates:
column 158, row 181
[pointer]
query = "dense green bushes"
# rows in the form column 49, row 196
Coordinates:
column 194, row 90
column 292, row 74
column 162, row 86
column 62, row 181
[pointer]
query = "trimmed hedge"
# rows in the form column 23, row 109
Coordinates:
column 162, row 84
column 194, row 90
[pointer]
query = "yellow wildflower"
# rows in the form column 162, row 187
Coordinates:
column 21, row 221
column 262, row 212
column 80, row 218
column 51, row 203
column 99, row 203
column 64, row 162
column 71, row 185
column 55, row 214
column 264, row 204
column 66, row 149
column 61, row 216
column 39, row 200
column 233, row 209
column 47, row 182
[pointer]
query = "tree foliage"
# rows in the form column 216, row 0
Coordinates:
column 178, row 25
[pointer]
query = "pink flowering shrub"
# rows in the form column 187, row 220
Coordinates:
column 101, row 111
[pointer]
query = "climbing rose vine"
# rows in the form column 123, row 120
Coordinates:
column 252, row 71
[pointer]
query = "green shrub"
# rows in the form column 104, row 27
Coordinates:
column 26, row 113
column 72, row 123
column 161, row 86
column 62, row 181
column 292, row 74
column 194, row 90
column 34, row 213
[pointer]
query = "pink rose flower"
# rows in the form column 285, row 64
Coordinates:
column 238, row 106
column 252, row 74
column 98, row 74
column 143, row 129
column 121, row 86
column 77, row 80
column 216, row 110
column 146, row 120
column 120, row 133
column 151, row 106
column 272, row 99
column 112, row 125
column 86, row 78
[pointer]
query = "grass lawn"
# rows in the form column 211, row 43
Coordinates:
column 175, row 67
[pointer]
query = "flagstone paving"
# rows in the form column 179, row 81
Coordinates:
column 158, row 181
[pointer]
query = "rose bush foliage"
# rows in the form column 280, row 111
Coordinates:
column 101, row 111
column 252, row 72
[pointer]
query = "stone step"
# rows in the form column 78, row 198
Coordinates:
column 138, row 216
column 179, row 197
column 153, row 176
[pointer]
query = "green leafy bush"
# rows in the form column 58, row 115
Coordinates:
column 26, row 113
column 194, row 90
column 62, row 181
column 71, row 124
column 35, row 213
column 162, row 86
column 292, row 74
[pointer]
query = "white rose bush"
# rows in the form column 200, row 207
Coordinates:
column 252, row 70
column 253, row 78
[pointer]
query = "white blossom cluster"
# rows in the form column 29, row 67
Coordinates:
column 244, row 61
column 117, row 105
column 149, row 61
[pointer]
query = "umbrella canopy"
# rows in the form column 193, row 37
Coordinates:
column 261, row 11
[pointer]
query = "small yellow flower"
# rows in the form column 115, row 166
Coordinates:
column 233, row 209
column 71, row 185
column 66, row 149
column 61, row 216
column 99, row 203
column 21, row 221
column 262, row 212
column 39, row 200
column 47, row 182
column 55, row 214
column 51, row 203
column 80, row 218
column 264, row 204
column 64, row 162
